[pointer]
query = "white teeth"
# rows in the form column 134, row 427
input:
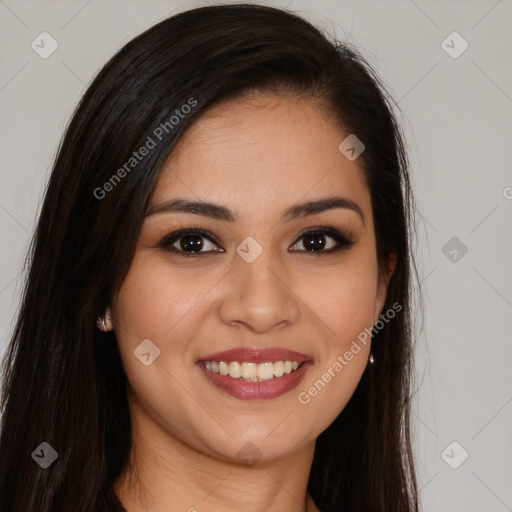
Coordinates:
column 278, row 368
column 223, row 368
column 266, row 371
column 252, row 372
column 235, row 370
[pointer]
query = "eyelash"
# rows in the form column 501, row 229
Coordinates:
column 344, row 240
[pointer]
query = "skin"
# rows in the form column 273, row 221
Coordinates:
column 257, row 156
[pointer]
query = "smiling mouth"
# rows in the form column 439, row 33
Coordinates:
column 253, row 372
column 245, row 383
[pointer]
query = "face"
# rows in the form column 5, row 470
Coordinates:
column 250, row 283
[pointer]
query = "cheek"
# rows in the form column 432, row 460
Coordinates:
column 148, row 305
column 166, row 304
column 154, row 298
column 344, row 302
column 343, row 298
column 158, row 303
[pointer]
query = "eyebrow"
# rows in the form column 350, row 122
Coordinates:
column 219, row 212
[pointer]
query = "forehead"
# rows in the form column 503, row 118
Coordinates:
column 256, row 153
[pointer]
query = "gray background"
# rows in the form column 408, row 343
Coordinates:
column 458, row 125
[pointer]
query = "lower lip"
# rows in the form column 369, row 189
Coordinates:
column 261, row 390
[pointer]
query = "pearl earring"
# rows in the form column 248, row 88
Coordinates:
column 104, row 323
column 101, row 323
column 371, row 359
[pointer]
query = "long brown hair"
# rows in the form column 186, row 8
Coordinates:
column 63, row 381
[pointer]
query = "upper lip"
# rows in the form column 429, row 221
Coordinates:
column 256, row 355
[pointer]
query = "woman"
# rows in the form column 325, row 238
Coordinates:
column 217, row 312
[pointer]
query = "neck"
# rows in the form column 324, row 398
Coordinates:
column 165, row 474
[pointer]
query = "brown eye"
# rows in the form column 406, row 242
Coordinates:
column 189, row 242
column 314, row 240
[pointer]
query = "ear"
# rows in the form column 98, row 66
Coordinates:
column 384, row 278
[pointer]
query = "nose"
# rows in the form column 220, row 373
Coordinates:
column 259, row 296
